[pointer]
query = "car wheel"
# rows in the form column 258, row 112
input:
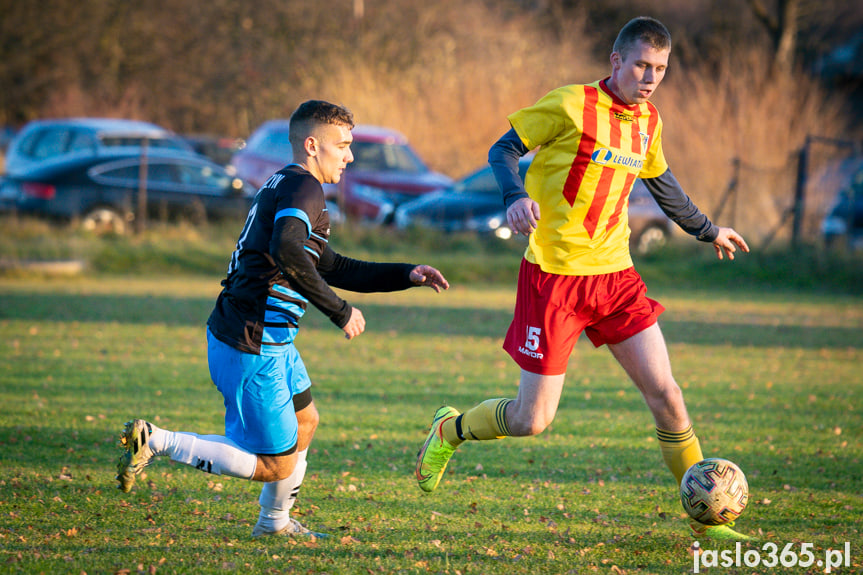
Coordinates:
column 651, row 239
column 101, row 221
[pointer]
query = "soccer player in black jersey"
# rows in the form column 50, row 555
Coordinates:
column 282, row 263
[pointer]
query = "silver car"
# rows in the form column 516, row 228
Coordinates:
column 44, row 141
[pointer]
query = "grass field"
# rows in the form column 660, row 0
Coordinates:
column 769, row 357
column 773, row 381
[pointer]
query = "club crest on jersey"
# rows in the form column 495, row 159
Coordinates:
column 602, row 156
column 645, row 141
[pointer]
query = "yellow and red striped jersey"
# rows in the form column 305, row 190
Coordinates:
column 592, row 147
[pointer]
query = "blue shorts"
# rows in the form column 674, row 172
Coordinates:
column 258, row 392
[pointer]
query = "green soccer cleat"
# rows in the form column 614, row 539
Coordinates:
column 138, row 455
column 435, row 452
column 718, row 532
column 293, row 529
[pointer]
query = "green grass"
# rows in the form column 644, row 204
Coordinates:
column 768, row 350
column 773, row 381
column 181, row 249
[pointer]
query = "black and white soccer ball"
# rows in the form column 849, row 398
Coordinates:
column 714, row 491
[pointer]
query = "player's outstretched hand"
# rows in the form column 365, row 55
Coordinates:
column 428, row 276
column 728, row 241
column 356, row 324
column 522, row 216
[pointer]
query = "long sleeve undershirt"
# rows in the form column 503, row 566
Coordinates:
column 505, row 153
column 313, row 281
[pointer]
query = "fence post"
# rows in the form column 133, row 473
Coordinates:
column 800, row 193
column 141, row 211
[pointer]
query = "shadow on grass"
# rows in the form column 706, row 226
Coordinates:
column 477, row 322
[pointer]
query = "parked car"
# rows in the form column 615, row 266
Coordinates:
column 8, row 197
column 219, row 149
column 385, row 172
column 102, row 191
column 474, row 204
column 844, row 219
column 650, row 227
column 267, row 151
column 49, row 140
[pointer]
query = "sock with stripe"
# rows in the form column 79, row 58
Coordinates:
column 278, row 497
column 680, row 450
column 482, row 422
column 210, row 453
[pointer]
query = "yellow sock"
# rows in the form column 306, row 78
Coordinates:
column 680, row 450
column 484, row 421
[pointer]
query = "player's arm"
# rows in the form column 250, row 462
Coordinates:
column 366, row 277
column 521, row 212
column 288, row 250
column 503, row 157
column 680, row 209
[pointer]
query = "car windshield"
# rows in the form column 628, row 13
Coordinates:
column 272, row 143
column 381, row 157
column 483, row 182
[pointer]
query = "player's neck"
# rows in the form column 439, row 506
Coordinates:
column 614, row 89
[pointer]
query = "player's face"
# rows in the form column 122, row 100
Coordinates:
column 636, row 77
column 332, row 152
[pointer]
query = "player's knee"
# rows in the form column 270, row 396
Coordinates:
column 281, row 473
column 274, row 468
column 668, row 394
column 307, row 421
column 672, row 395
column 308, row 416
column 666, row 403
column 314, row 418
column 522, row 427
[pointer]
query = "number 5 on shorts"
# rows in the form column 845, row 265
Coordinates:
column 532, row 341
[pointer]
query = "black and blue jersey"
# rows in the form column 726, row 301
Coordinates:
column 283, row 261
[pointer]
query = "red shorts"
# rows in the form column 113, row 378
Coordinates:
column 552, row 310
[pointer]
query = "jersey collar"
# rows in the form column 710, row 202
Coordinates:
column 603, row 85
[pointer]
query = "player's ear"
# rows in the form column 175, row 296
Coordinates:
column 310, row 145
column 615, row 60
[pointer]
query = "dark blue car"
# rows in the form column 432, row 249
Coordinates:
column 101, row 192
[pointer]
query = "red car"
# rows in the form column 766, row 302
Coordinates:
column 385, row 173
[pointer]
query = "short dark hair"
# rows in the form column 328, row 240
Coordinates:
column 644, row 28
column 313, row 113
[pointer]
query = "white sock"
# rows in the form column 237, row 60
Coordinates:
column 210, row 453
column 277, row 497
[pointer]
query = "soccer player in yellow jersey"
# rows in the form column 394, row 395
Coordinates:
column 577, row 276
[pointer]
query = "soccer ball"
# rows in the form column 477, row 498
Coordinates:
column 714, row 491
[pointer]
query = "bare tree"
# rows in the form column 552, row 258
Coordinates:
column 782, row 26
